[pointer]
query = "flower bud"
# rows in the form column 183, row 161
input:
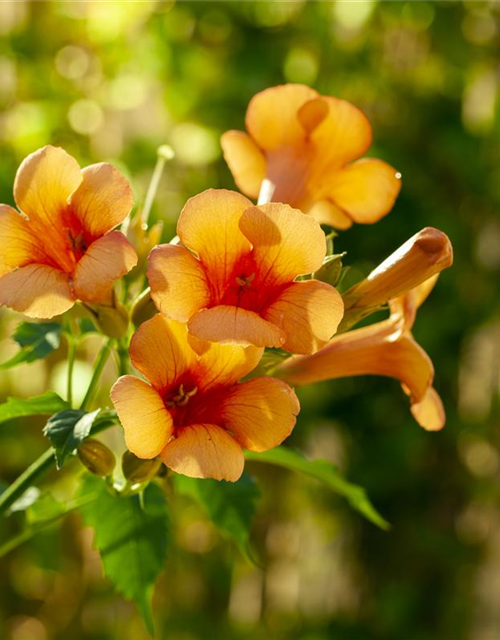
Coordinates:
column 96, row 456
column 143, row 308
column 112, row 319
column 137, row 470
column 428, row 252
column 143, row 239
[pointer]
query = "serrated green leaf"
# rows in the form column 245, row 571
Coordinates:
column 131, row 535
column 229, row 505
column 67, row 430
column 46, row 404
column 37, row 341
column 326, row 473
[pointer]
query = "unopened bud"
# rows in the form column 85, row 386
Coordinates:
column 96, row 456
column 137, row 470
column 112, row 319
column 428, row 252
column 143, row 239
column 143, row 308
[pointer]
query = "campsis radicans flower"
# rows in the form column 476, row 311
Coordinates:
column 233, row 280
column 387, row 348
column 192, row 411
column 302, row 149
column 61, row 248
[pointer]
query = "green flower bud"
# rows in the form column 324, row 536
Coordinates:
column 137, row 470
column 96, row 456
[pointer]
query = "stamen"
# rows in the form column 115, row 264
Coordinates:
column 245, row 281
column 181, row 398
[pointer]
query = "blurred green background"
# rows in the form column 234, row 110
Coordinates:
column 114, row 80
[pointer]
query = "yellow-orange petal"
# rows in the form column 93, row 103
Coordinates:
column 222, row 364
column 107, row 259
column 44, row 182
column 160, row 350
column 178, row 282
column 147, row 424
column 342, row 136
column 18, row 246
column 312, row 113
column 272, row 115
column 308, row 313
column 429, row 412
column 286, row 243
column 103, row 200
column 36, row 290
column 234, row 325
column 208, row 225
column 204, row 451
column 372, row 350
column 245, row 160
column 260, row 413
column 326, row 212
column 426, row 253
column 366, row 190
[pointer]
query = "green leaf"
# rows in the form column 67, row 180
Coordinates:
column 229, row 505
column 37, row 340
column 131, row 535
column 45, row 508
column 28, row 498
column 46, row 404
column 326, row 473
column 331, row 269
column 67, row 430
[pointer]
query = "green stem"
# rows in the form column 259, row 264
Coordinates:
column 25, row 480
column 71, row 363
column 165, row 153
column 98, row 368
column 123, row 358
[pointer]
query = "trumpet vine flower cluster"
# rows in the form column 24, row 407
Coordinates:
column 243, row 275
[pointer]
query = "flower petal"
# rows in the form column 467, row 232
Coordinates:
column 309, row 313
column 37, row 290
column 373, row 350
column 18, row 246
column 223, row 364
column 233, row 325
column 366, row 190
column 429, row 412
column 147, row 424
column 286, row 243
column 343, row 135
column 178, row 282
column 103, row 199
column 205, row 451
column 208, row 225
column 107, row 259
column 272, row 115
column 159, row 349
column 245, row 160
column 44, row 182
column 260, row 413
column 326, row 212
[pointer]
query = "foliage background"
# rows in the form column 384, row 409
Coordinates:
column 114, row 80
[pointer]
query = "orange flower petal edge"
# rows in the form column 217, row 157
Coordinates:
column 303, row 149
column 61, row 248
column 385, row 348
column 233, row 281
column 192, row 411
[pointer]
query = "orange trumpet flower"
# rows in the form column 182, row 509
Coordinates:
column 62, row 247
column 300, row 149
column 193, row 413
column 233, row 280
column 385, row 348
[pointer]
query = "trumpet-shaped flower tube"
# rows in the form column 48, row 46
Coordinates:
column 62, row 247
column 302, row 149
column 233, row 281
column 385, row 348
column 192, row 411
